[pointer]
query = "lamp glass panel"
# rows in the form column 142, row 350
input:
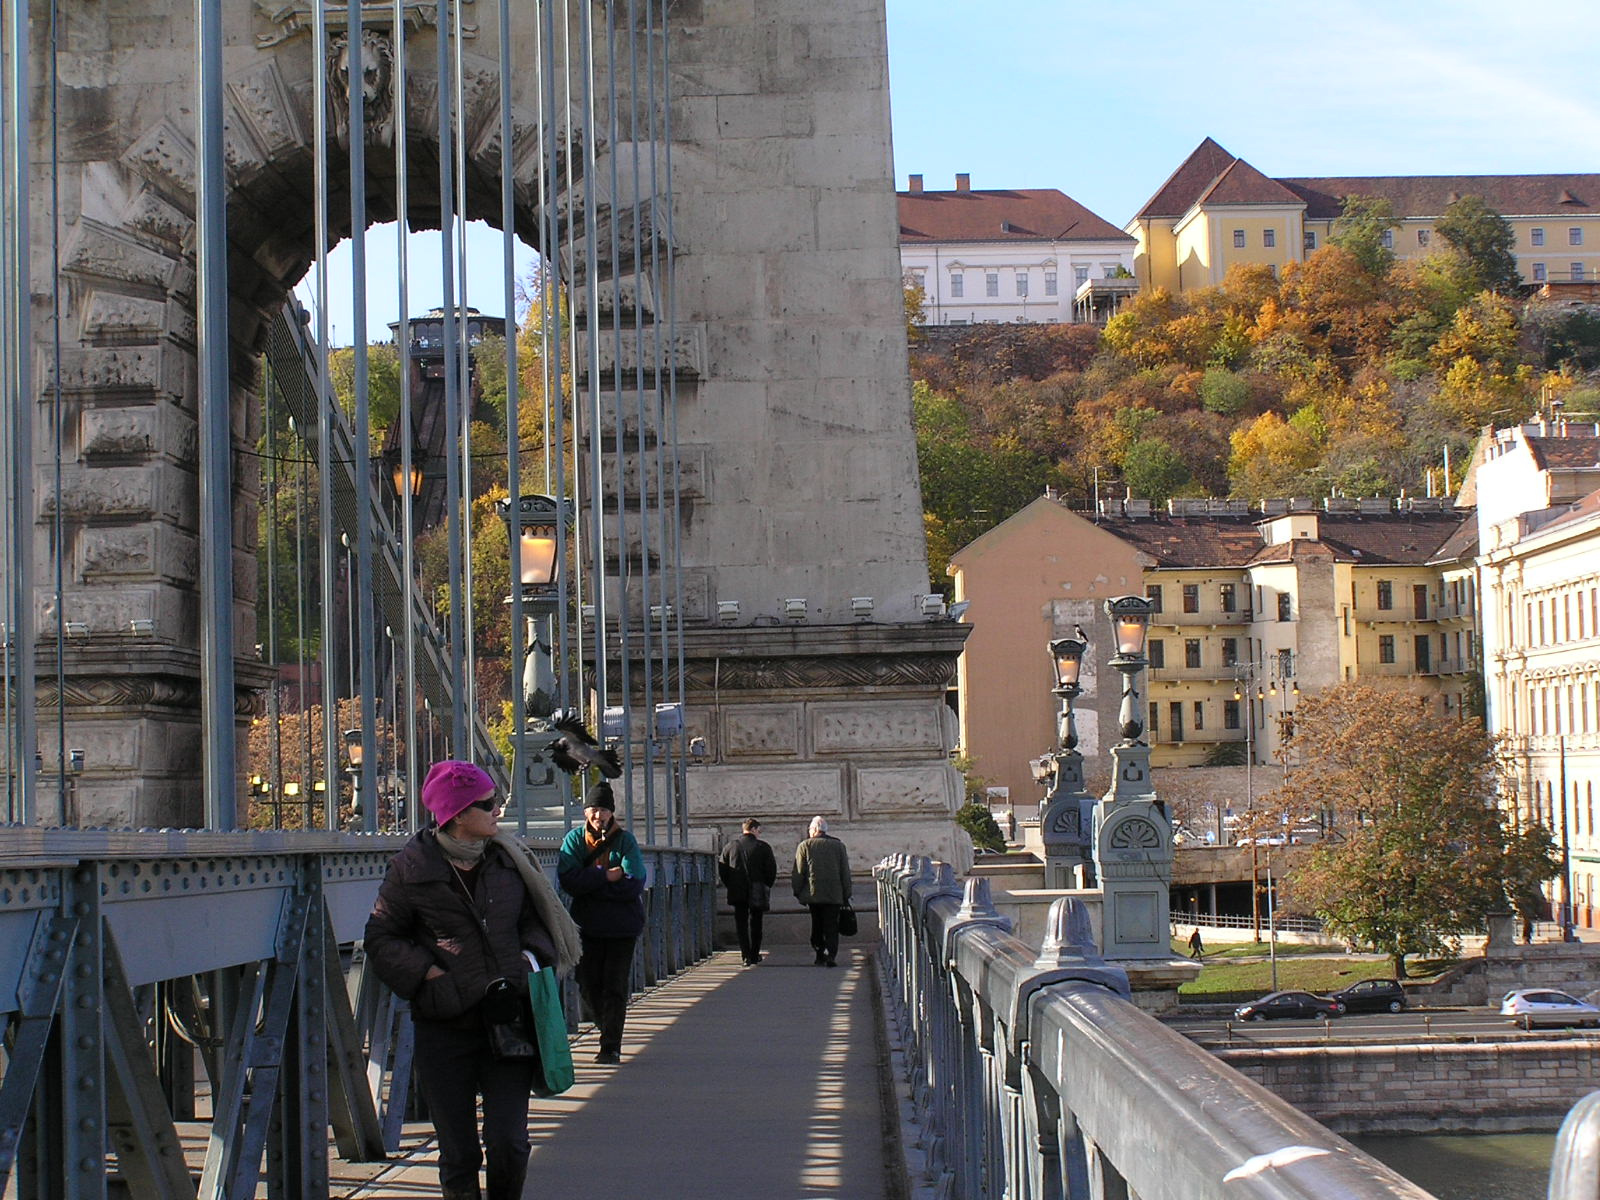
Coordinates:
column 1131, row 631
column 1069, row 663
column 538, row 554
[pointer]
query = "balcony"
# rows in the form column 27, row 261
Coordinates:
column 1216, row 616
column 1201, row 674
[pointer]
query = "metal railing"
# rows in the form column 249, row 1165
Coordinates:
column 139, row 971
column 1038, row 1078
column 1224, row 921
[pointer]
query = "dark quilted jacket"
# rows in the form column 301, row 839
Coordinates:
column 423, row 918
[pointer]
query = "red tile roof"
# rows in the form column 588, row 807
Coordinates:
column 1409, row 538
column 1555, row 453
column 1185, row 185
column 1001, row 215
column 1429, row 195
column 1241, row 183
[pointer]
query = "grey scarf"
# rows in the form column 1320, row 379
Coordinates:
column 460, row 849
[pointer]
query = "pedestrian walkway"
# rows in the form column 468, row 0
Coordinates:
column 758, row 1081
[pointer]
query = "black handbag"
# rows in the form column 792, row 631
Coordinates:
column 847, row 920
column 508, row 1022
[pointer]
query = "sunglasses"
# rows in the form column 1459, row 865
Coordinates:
column 488, row 806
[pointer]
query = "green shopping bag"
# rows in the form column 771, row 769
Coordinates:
column 550, row 1028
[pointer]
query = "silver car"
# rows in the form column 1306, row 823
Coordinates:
column 1545, row 1006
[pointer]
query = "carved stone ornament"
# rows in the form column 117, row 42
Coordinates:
column 1135, row 833
column 293, row 18
column 806, row 674
column 377, row 86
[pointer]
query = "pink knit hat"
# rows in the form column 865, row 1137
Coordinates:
column 452, row 786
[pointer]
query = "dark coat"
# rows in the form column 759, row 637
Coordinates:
column 821, row 871
column 424, row 918
column 604, row 908
column 743, row 862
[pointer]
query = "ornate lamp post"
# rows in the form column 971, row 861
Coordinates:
column 1064, row 824
column 535, row 525
column 355, row 755
column 1132, row 832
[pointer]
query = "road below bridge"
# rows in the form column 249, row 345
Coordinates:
column 759, row 1081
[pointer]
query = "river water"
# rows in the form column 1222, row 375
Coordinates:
column 1469, row 1166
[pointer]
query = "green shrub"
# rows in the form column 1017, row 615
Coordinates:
column 981, row 826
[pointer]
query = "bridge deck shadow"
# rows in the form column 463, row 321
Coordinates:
column 734, row 1081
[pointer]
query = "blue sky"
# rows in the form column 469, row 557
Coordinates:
column 1104, row 100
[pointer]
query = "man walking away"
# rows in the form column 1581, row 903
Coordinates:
column 748, row 869
column 822, row 884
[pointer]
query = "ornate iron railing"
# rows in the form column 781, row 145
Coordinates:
column 1039, row 1079
column 141, row 972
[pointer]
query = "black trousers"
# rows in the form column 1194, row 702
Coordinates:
column 747, row 924
column 605, row 975
column 825, row 930
column 455, row 1067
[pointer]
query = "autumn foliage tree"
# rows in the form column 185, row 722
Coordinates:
column 1421, row 852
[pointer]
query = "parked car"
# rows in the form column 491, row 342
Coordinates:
column 1545, row 1006
column 1288, row 1004
column 1372, row 995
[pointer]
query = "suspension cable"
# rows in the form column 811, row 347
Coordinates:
column 413, row 817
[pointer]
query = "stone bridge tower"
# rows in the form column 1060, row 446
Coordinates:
column 792, row 396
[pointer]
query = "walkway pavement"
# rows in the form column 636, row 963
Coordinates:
column 761, row 1081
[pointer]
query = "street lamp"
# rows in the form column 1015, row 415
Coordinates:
column 1066, row 816
column 534, row 529
column 355, row 754
column 1132, row 831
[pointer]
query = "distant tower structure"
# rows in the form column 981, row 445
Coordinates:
column 424, row 360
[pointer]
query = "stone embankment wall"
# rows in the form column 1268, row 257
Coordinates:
column 1525, row 1084
column 1571, row 966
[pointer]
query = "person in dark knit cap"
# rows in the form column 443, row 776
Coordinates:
column 601, row 868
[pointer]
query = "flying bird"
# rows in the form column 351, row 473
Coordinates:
column 576, row 749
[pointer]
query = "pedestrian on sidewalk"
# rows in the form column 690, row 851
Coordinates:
column 822, row 883
column 1197, row 948
column 601, row 868
column 460, row 911
column 748, row 869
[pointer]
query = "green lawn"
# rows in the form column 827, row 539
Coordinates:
column 1307, row 968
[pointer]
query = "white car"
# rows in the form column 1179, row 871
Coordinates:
column 1545, row 1006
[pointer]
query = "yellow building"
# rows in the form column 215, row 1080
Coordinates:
column 1255, row 606
column 1216, row 210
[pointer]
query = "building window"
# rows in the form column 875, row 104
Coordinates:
column 1229, row 599
column 1158, row 652
column 1575, row 236
column 1199, row 715
column 1191, row 597
column 1536, row 236
column 1191, row 652
column 1388, row 239
column 958, row 285
column 1419, row 601
column 1284, row 606
column 1577, row 272
column 1080, row 275
column 1422, row 648
column 1155, row 718
column 1538, row 273
column 1230, row 652
column 1385, row 594
column 1386, row 648
column 1230, row 714
column 1269, row 239
column 1108, row 272
column 1424, row 236
column 1152, row 593
column 1050, row 283
column 1022, row 283
column 919, row 278
column 1238, row 239
column 1311, row 239
column 991, row 283
column 1175, row 717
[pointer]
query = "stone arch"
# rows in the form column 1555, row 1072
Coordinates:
column 128, row 380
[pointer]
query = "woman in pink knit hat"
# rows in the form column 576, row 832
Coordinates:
column 461, row 917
